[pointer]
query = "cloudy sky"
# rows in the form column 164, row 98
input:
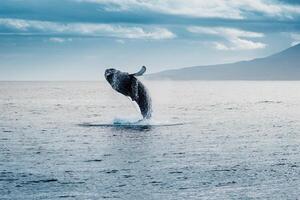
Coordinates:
column 78, row 39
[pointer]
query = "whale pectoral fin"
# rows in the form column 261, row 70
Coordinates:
column 141, row 72
column 135, row 90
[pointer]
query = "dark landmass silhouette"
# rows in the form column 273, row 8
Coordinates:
column 284, row 65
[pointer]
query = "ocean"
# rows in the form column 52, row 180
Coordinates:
column 206, row 140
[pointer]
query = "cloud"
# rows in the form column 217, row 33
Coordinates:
column 120, row 41
column 296, row 38
column 86, row 29
column 59, row 40
column 235, row 39
column 229, row 9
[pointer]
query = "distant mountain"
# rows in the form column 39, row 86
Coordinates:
column 284, row 65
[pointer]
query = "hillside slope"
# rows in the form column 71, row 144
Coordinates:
column 284, row 65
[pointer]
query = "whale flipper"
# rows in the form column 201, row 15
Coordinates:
column 141, row 72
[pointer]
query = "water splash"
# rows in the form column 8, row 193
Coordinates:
column 142, row 122
column 132, row 121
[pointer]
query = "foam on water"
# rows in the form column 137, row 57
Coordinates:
column 132, row 123
column 129, row 121
column 144, row 122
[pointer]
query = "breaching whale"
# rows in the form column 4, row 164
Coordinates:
column 128, row 85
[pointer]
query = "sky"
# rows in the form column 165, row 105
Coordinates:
column 79, row 39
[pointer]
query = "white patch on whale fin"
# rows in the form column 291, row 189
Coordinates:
column 141, row 72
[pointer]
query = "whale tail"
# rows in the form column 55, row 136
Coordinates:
column 141, row 72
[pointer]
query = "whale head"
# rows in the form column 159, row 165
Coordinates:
column 116, row 78
column 109, row 74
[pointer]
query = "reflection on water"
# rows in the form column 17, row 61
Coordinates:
column 207, row 140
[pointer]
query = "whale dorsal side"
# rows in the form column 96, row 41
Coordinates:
column 141, row 72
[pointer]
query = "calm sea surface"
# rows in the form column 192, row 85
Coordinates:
column 238, row 140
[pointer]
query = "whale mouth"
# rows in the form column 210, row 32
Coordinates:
column 109, row 72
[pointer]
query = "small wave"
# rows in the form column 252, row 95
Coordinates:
column 269, row 102
column 113, row 171
column 226, row 183
column 42, row 181
column 94, row 160
column 67, row 196
column 72, row 183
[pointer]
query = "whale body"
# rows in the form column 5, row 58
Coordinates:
column 128, row 85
